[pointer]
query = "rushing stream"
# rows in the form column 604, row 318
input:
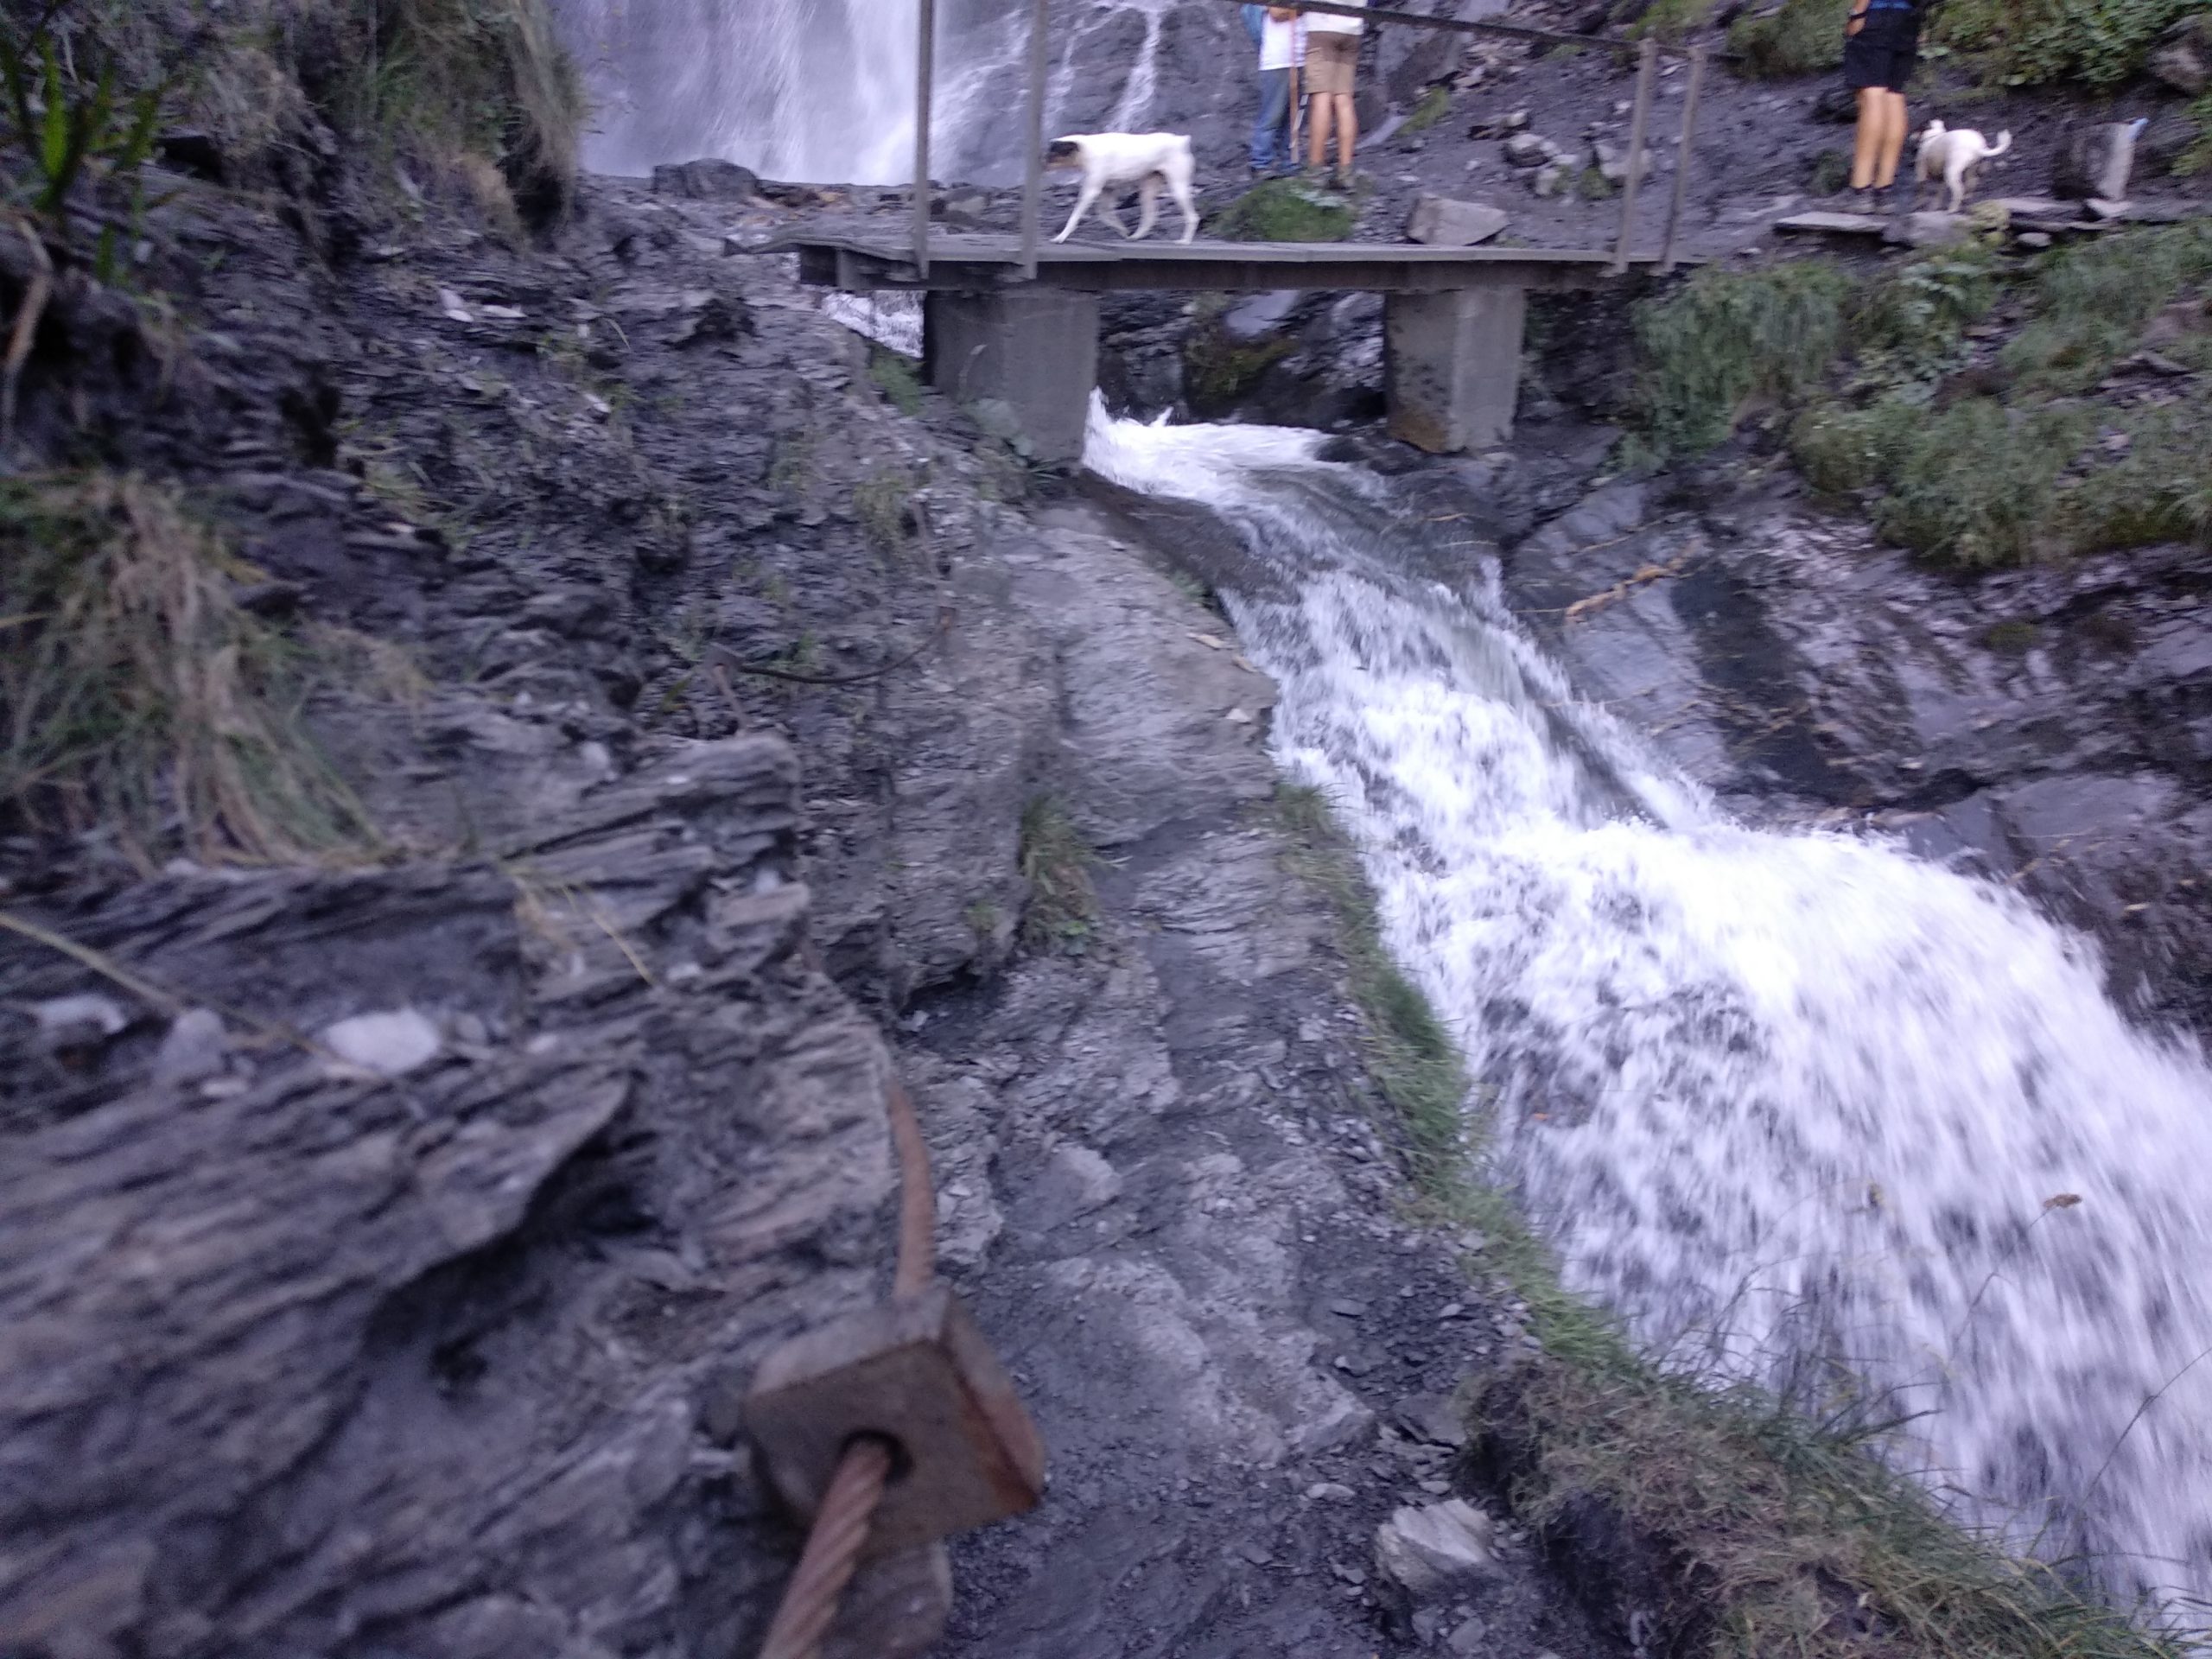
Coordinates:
column 1801, row 1107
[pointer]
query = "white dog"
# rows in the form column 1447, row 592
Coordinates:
column 1112, row 160
column 1957, row 155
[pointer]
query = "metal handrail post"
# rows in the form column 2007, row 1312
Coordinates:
column 1682, row 156
column 1647, row 65
column 1033, row 180
column 924, row 64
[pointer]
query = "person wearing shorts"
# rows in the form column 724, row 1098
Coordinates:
column 1881, row 46
column 1332, row 55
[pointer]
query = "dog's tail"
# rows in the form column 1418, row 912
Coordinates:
column 2004, row 142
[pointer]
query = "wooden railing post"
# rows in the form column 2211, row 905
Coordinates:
column 924, row 56
column 1682, row 156
column 1647, row 65
column 1033, row 178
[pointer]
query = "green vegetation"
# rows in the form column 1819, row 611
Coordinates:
column 880, row 502
column 1217, row 370
column 2093, row 302
column 1969, row 454
column 1056, row 861
column 1728, row 337
column 1780, row 1535
column 1803, row 38
column 1285, row 210
column 475, row 84
column 66, row 128
column 2098, row 43
column 1674, row 20
column 134, row 692
column 895, row 379
column 1435, row 104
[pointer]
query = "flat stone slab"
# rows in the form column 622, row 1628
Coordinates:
column 1835, row 224
column 1441, row 222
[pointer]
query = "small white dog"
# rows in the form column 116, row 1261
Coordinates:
column 1113, row 160
column 1957, row 155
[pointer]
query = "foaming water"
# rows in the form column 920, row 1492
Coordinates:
column 1797, row 1105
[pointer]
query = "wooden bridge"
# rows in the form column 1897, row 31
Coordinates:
column 1012, row 319
column 1452, row 317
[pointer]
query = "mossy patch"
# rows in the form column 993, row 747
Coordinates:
column 1285, row 210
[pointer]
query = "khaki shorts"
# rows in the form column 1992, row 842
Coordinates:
column 1329, row 61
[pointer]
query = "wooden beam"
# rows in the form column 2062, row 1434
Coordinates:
column 1462, row 26
column 924, row 65
column 1647, row 69
column 1682, row 157
column 1033, row 175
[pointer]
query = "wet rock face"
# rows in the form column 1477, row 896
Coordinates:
column 2045, row 727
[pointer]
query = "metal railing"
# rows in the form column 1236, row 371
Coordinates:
column 1647, row 52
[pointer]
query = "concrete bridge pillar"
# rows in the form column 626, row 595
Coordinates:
column 1451, row 365
column 1034, row 350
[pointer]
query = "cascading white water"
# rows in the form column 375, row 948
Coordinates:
column 824, row 89
column 1796, row 1105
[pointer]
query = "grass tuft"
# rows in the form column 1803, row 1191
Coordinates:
column 488, row 80
column 1729, row 336
column 2096, row 43
column 135, row 693
column 880, row 502
column 1062, row 909
column 1285, row 210
column 895, row 379
column 1803, row 37
column 1435, row 104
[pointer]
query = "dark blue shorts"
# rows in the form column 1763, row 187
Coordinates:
column 1884, row 51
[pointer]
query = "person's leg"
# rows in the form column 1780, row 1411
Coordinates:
column 1275, row 111
column 1347, row 133
column 1866, row 138
column 1893, row 129
column 1318, row 108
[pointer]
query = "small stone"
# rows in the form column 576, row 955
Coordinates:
column 1442, row 222
column 78, row 1021
column 1441, row 1546
column 2034, row 238
column 1528, row 150
column 1435, row 1488
column 1929, row 229
column 194, row 1049
column 1431, row 1418
column 1349, row 1308
column 1329, row 1492
column 390, row 1045
column 1450, row 1311
column 1356, row 1364
column 1466, row 1638
column 711, row 180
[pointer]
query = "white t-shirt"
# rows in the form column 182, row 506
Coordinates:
column 1282, row 45
column 1327, row 22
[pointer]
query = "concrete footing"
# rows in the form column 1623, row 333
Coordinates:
column 1032, row 351
column 1453, row 366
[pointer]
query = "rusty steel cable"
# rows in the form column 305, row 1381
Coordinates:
column 841, row 1525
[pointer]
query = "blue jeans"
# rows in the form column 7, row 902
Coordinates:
column 1271, row 132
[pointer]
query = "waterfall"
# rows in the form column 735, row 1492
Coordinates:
column 824, row 89
column 1801, row 1108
